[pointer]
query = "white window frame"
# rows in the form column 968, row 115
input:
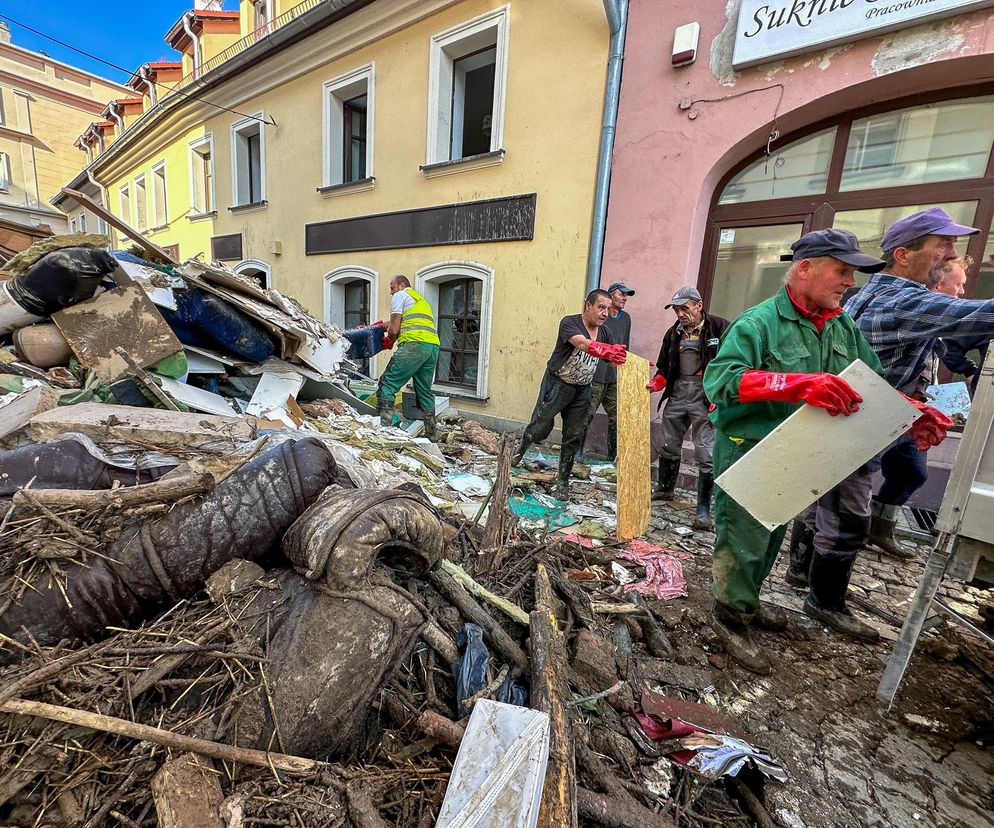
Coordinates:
column 334, row 296
column 141, row 222
column 195, row 162
column 124, row 192
column 448, row 46
column 158, row 169
column 255, row 264
column 427, row 281
column 82, row 221
column 335, row 92
column 72, row 225
column 4, row 172
column 237, row 128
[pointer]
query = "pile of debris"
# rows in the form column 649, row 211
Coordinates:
column 285, row 614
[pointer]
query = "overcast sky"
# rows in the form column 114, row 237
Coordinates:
column 127, row 34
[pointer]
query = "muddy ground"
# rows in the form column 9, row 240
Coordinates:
column 852, row 763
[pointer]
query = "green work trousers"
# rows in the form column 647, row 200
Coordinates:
column 411, row 361
column 744, row 549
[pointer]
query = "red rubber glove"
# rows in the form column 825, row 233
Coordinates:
column 612, row 353
column 711, row 408
column 826, row 391
column 929, row 429
column 387, row 342
column 379, row 324
column 657, row 383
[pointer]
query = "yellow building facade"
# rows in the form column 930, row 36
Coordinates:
column 44, row 105
column 345, row 142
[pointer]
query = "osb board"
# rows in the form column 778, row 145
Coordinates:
column 123, row 316
column 634, row 497
column 811, row 451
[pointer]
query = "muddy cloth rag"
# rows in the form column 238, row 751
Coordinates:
column 168, row 558
column 663, row 570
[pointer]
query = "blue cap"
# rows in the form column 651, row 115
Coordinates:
column 622, row 287
column 932, row 222
column 839, row 244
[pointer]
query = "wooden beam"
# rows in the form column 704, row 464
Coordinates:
column 116, row 223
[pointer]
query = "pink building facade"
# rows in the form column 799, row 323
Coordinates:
column 717, row 170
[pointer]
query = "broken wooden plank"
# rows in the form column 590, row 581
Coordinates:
column 124, row 317
column 187, row 793
column 496, row 530
column 168, row 490
column 549, row 693
column 634, row 496
column 145, row 379
column 144, row 426
column 129, row 231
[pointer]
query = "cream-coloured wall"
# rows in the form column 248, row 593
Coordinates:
column 556, row 67
column 192, row 236
column 46, row 105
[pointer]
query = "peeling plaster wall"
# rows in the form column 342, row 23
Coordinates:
column 668, row 160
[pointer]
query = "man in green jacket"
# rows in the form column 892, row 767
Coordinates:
column 777, row 355
column 412, row 327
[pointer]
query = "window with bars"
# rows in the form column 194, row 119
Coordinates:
column 460, row 304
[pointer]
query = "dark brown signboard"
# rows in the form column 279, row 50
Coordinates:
column 492, row 220
column 226, row 248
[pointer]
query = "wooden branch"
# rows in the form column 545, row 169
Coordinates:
column 495, row 532
column 612, row 812
column 549, row 692
column 472, row 611
column 440, row 641
column 438, row 727
column 162, row 491
column 512, row 611
column 177, row 741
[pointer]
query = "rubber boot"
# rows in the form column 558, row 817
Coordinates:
column 732, row 628
column 561, row 490
column 826, row 602
column 612, row 443
column 705, row 483
column 519, row 455
column 802, row 540
column 385, row 409
column 669, row 470
column 431, row 431
column 883, row 520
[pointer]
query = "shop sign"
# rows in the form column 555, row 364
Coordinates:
column 769, row 29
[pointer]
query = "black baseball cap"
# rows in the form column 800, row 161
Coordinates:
column 839, row 244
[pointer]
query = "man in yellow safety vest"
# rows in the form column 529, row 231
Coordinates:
column 412, row 327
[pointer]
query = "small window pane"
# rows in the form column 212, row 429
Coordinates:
column 800, row 168
column 473, row 102
column 984, row 288
column 937, row 142
column 749, row 269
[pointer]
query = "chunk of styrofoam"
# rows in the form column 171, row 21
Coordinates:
column 811, row 451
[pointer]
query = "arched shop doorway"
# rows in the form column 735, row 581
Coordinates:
column 860, row 171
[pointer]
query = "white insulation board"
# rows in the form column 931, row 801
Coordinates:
column 811, row 451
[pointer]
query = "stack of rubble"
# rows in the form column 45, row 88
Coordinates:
column 285, row 614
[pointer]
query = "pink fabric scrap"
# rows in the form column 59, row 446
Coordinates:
column 663, row 571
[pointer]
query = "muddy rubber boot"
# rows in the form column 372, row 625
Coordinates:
column 732, row 629
column 705, row 483
column 561, row 489
column 612, row 443
column 802, row 539
column 431, row 431
column 883, row 520
column 669, row 470
column 385, row 409
column 826, row 602
column 770, row 618
column 519, row 455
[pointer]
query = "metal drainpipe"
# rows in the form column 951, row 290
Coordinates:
column 117, row 116
column 187, row 17
column 617, row 18
column 143, row 72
